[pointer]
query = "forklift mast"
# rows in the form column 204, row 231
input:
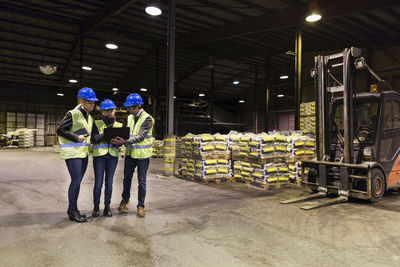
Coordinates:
column 323, row 80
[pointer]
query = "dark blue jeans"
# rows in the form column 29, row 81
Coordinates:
column 129, row 169
column 76, row 168
column 103, row 164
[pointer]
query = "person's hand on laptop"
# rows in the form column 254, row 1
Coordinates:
column 118, row 141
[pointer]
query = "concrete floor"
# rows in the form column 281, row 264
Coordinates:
column 187, row 224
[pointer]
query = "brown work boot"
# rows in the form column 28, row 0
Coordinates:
column 140, row 212
column 123, row 206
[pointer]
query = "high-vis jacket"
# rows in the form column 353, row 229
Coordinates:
column 103, row 148
column 70, row 149
column 143, row 149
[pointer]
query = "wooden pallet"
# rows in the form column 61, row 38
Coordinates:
column 268, row 186
column 299, row 158
column 216, row 180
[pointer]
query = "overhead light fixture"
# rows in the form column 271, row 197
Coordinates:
column 313, row 17
column 60, row 94
column 174, row 97
column 235, row 82
column 47, row 69
column 280, row 95
column 284, row 77
column 241, row 101
column 153, row 8
column 85, row 67
column 201, row 94
column 111, row 45
column 143, row 89
column 314, row 14
column 115, row 89
column 73, row 81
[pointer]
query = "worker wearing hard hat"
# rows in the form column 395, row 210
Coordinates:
column 73, row 137
column 138, row 151
column 105, row 157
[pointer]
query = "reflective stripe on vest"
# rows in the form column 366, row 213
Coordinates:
column 103, row 148
column 70, row 149
column 144, row 148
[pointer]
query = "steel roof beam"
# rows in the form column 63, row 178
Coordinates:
column 115, row 7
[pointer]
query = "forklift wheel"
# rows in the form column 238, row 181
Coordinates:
column 377, row 185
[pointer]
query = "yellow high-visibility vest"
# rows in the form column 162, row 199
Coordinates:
column 103, row 148
column 144, row 148
column 70, row 149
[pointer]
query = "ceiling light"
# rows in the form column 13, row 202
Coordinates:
column 115, row 89
column 313, row 17
column 73, row 81
column 241, row 101
column 153, row 8
column 235, row 82
column 202, row 94
column 111, row 45
column 174, row 97
column 85, row 67
column 280, row 95
column 284, row 77
column 60, row 94
column 143, row 89
column 47, row 69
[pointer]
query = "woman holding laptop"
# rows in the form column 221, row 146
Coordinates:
column 105, row 157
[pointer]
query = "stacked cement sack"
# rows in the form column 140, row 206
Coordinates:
column 307, row 117
column 262, row 173
column 158, row 150
column 26, row 137
column 212, row 168
column 301, row 145
column 179, row 151
column 264, row 146
column 169, row 155
column 196, row 146
column 234, row 141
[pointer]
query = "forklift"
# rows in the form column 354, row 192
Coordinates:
column 358, row 135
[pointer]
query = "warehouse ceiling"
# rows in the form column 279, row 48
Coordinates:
column 238, row 37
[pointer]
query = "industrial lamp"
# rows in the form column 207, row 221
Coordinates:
column 153, row 8
column 314, row 14
column 111, row 45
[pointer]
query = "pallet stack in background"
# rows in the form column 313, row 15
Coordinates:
column 158, row 150
column 26, row 137
column 169, row 155
column 206, row 157
column 307, row 117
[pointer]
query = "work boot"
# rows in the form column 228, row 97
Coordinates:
column 123, row 206
column 96, row 211
column 76, row 216
column 140, row 212
column 107, row 211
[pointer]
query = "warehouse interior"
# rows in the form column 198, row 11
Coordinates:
column 235, row 71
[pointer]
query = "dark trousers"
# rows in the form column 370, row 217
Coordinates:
column 129, row 169
column 103, row 165
column 76, row 168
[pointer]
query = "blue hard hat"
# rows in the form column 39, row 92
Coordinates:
column 88, row 94
column 133, row 99
column 107, row 104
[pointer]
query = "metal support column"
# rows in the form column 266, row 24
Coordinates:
column 297, row 68
column 81, row 63
column 212, row 103
column 155, row 91
column 171, row 67
column 267, row 93
column 255, row 98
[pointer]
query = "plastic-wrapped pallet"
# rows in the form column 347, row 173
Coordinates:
column 307, row 117
column 26, row 137
column 213, row 168
column 263, row 145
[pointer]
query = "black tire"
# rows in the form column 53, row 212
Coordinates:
column 378, row 185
